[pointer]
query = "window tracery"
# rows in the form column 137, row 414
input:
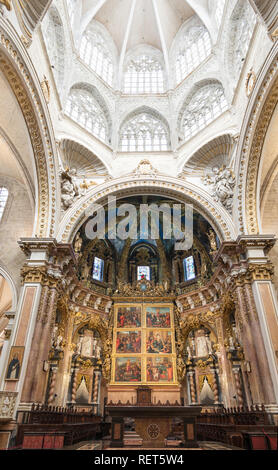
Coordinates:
column 243, row 24
column 83, row 108
column 95, row 52
column 144, row 74
column 52, row 30
column 4, row 193
column 205, row 106
column 144, row 132
column 194, row 48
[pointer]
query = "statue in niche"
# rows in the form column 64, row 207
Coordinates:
column 206, row 395
column 212, row 240
column 82, row 394
column 78, row 243
column 199, row 343
column 57, row 339
column 89, row 344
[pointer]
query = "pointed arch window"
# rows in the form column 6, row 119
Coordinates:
column 83, row 108
column 144, row 132
column 4, row 194
column 194, row 48
column 144, row 74
column 189, row 268
column 243, row 24
column 205, row 106
column 95, row 52
column 53, row 34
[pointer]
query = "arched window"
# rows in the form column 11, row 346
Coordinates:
column 96, row 53
column 83, row 107
column 205, row 105
column 242, row 26
column 53, row 34
column 98, row 269
column 4, row 193
column 189, row 268
column 194, row 47
column 144, row 74
column 144, row 132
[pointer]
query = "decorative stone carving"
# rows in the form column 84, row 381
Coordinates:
column 7, row 4
column 69, row 189
column 46, row 89
column 145, row 168
column 7, row 404
column 223, row 182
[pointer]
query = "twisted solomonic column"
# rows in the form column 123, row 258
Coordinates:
column 239, row 391
column 52, row 385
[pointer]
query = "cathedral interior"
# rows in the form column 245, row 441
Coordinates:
column 119, row 338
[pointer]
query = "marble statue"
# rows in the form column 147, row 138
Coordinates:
column 223, row 182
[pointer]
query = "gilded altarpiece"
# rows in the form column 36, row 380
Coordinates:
column 144, row 344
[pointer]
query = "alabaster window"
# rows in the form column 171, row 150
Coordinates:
column 54, row 40
column 143, row 272
column 219, row 11
column 98, row 269
column 95, row 52
column 243, row 23
column 4, row 193
column 72, row 5
column 205, row 105
column 194, row 48
column 83, row 108
column 144, row 74
column 189, row 268
column 144, row 132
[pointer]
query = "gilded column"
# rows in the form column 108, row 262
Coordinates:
column 238, row 384
column 51, row 393
column 74, row 384
column 191, row 376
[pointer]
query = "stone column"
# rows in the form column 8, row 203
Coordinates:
column 262, row 302
column 224, row 364
column 251, row 353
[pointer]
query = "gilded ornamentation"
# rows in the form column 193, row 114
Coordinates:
column 252, row 147
column 40, row 142
column 7, row 4
column 46, row 89
column 250, row 82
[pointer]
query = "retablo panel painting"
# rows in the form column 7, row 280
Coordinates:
column 158, row 317
column 160, row 369
column 158, row 341
column 129, row 317
column 128, row 342
column 142, row 333
column 128, row 369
